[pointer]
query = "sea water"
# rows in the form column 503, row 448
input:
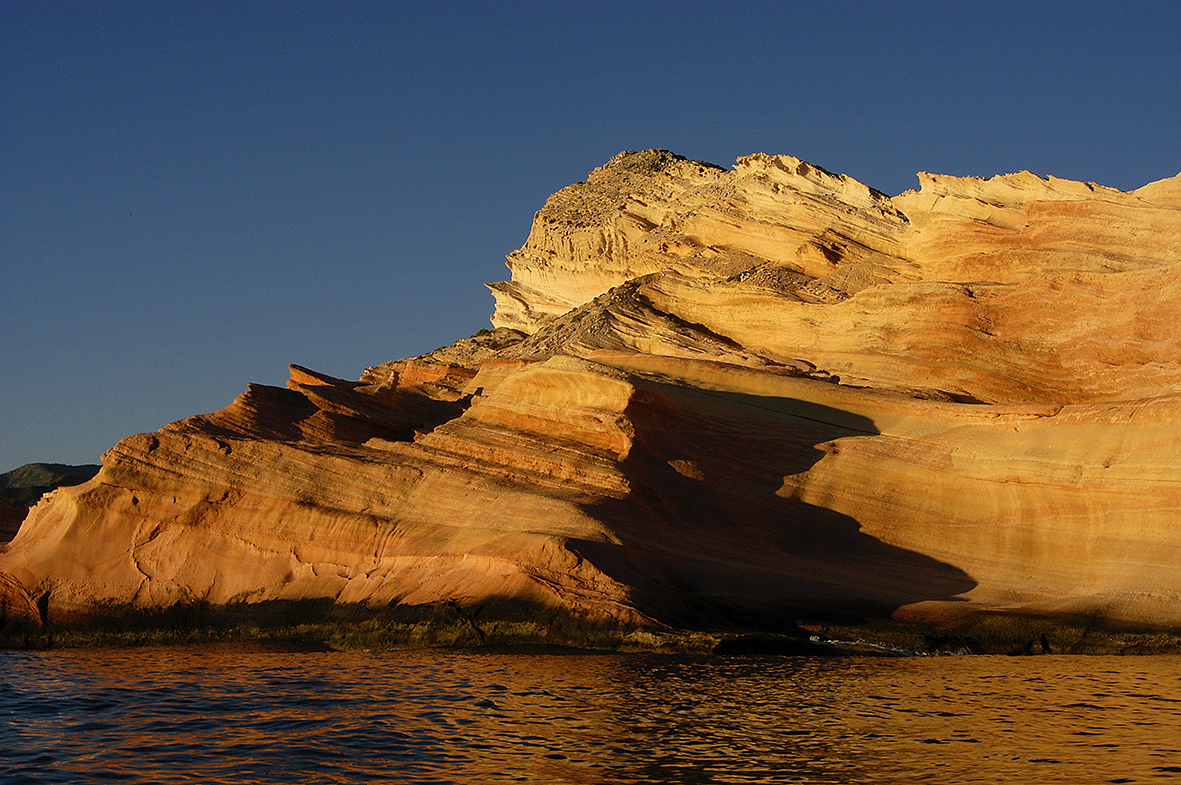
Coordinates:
column 256, row 713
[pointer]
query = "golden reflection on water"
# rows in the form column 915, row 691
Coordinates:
column 259, row 714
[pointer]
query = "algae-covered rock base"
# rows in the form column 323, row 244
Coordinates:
column 527, row 629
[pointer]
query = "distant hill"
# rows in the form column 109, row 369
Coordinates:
column 21, row 488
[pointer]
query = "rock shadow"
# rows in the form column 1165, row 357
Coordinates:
column 708, row 539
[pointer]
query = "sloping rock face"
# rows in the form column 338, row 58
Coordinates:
column 712, row 399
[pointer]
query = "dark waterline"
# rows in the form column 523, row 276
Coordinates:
column 251, row 713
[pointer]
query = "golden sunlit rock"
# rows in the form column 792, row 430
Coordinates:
column 712, row 399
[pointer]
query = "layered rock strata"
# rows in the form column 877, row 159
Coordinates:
column 712, row 399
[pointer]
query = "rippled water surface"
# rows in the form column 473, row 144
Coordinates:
column 256, row 714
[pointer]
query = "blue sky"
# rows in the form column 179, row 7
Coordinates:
column 196, row 194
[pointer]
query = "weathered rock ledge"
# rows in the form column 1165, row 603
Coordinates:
column 714, row 403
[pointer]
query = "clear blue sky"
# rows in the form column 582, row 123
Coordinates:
column 195, row 194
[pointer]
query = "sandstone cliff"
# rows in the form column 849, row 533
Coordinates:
column 712, row 398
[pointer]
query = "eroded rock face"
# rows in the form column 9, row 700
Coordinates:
column 1006, row 290
column 712, row 398
column 654, row 211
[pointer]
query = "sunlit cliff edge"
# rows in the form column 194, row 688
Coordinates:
column 712, row 399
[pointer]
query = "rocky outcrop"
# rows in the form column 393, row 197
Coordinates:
column 712, row 399
column 775, row 216
column 1007, row 290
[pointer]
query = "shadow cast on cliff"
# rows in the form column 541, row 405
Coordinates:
column 710, row 538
